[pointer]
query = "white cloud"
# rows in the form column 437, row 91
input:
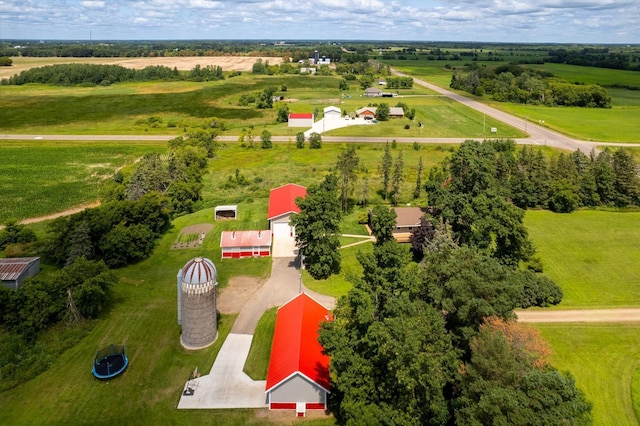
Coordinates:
column 604, row 21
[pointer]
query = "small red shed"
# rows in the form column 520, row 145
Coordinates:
column 237, row 244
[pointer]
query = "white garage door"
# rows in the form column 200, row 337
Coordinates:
column 281, row 230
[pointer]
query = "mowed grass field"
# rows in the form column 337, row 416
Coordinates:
column 617, row 124
column 143, row 317
column 181, row 106
column 592, row 255
column 39, row 178
column 602, row 358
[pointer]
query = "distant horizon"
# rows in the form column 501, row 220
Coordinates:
column 318, row 41
column 491, row 21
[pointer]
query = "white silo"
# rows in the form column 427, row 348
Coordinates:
column 197, row 303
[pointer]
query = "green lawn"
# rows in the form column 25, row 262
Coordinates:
column 592, row 255
column 39, row 178
column 257, row 364
column 602, row 358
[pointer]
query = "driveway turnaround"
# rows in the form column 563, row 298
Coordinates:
column 226, row 386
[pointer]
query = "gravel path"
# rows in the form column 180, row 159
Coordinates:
column 581, row 315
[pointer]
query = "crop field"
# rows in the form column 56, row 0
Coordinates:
column 39, row 178
column 602, row 358
column 182, row 63
column 173, row 107
column 592, row 255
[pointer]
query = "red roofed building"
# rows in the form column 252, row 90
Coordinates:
column 282, row 204
column 300, row 120
column 237, row 244
column 298, row 376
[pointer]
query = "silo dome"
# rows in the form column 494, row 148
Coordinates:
column 199, row 270
column 197, row 303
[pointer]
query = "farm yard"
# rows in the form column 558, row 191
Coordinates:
column 592, row 258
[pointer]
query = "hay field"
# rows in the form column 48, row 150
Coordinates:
column 182, row 63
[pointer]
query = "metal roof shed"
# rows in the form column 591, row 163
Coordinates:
column 14, row 270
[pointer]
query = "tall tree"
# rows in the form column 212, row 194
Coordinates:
column 382, row 221
column 265, row 137
column 317, row 228
column 508, row 381
column 346, row 166
column 391, row 358
column 385, row 170
column 418, row 188
column 397, row 178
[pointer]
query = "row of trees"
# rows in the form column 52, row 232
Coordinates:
column 527, row 178
column 95, row 74
column 511, row 83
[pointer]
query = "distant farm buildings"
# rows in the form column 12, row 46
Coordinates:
column 14, row 270
column 300, row 120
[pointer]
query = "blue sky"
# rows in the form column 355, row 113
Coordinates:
column 558, row 21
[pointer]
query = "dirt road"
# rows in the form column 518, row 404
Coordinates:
column 580, row 315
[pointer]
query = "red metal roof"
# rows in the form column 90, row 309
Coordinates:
column 300, row 115
column 11, row 268
column 282, row 200
column 245, row 238
column 295, row 347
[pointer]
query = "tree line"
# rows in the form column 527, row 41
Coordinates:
column 527, row 178
column 96, row 74
column 512, row 83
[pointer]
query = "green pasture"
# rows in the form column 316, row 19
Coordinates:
column 39, row 178
column 143, row 317
column 257, row 364
column 592, row 75
column 592, row 255
column 265, row 169
column 602, row 358
column 133, row 108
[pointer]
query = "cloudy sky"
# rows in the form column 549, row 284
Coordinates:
column 561, row 21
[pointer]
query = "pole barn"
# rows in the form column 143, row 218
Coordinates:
column 298, row 376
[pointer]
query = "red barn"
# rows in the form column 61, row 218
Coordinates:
column 282, row 204
column 298, row 376
column 237, row 244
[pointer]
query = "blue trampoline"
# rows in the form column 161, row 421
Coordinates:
column 110, row 362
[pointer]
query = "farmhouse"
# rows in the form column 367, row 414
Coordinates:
column 368, row 113
column 396, row 112
column 407, row 220
column 238, row 244
column 372, row 92
column 282, row 204
column 332, row 112
column 14, row 270
column 300, row 120
column 298, row 376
